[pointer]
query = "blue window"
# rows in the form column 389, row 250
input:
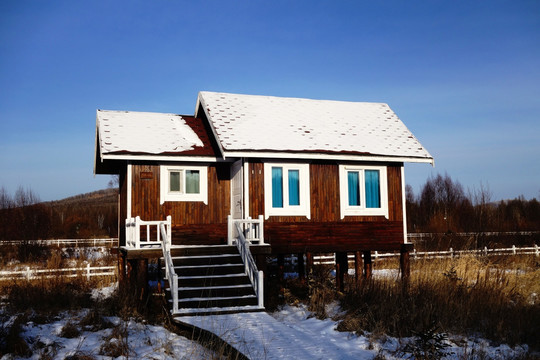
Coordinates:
column 286, row 189
column 277, row 187
column 293, row 183
column 353, row 179
column 373, row 192
column 294, row 187
column 363, row 190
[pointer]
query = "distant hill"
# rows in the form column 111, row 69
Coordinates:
column 95, row 198
column 89, row 215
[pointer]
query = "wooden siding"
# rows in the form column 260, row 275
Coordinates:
column 326, row 231
column 122, row 205
column 197, row 223
column 193, row 222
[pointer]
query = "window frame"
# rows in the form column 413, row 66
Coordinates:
column 167, row 195
column 362, row 210
column 304, row 208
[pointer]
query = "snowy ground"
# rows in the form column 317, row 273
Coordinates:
column 292, row 333
column 314, row 339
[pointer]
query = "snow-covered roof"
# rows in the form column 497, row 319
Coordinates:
column 144, row 132
column 252, row 123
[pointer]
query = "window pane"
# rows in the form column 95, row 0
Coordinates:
column 192, row 181
column 277, row 187
column 373, row 196
column 174, row 181
column 354, row 193
column 294, row 187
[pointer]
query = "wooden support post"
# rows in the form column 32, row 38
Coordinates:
column 122, row 277
column 260, row 259
column 357, row 266
column 300, row 264
column 342, row 265
column 281, row 268
column 404, row 261
column 142, row 278
column 131, row 274
column 309, row 265
column 367, row 264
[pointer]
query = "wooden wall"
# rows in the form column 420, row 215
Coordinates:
column 326, row 231
column 198, row 223
column 194, row 222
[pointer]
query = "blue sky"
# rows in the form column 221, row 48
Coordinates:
column 464, row 76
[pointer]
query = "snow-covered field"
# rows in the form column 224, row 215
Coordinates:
column 140, row 340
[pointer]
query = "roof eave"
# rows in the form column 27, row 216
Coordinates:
column 97, row 150
column 328, row 156
column 162, row 157
column 201, row 103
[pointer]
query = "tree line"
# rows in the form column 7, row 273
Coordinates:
column 24, row 217
column 443, row 206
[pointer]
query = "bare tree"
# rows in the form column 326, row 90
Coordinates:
column 114, row 181
column 6, row 202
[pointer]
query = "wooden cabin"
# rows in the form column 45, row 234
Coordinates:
column 307, row 176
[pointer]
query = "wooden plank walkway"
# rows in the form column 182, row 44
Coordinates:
column 258, row 335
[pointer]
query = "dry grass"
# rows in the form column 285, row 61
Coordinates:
column 468, row 296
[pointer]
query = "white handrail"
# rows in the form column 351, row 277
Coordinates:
column 133, row 232
column 252, row 229
column 170, row 274
column 256, row 277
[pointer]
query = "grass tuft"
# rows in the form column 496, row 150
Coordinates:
column 463, row 296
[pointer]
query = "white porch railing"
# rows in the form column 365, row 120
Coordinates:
column 251, row 229
column 133, row 232
column 255, row 276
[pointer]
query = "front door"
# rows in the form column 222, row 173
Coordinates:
column 237, row 190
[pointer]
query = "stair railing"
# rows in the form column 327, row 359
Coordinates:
column 255, row 276
column 252, row 229
column 170, row 274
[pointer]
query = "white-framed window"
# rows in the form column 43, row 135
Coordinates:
column 286, row 190
column 363, row 190
column 183, row 183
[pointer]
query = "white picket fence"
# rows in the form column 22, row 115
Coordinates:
column 64, row 242
column 329, row 259
column 31, row 274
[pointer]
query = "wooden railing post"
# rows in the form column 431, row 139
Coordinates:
column 138, row 232
column 169, row 230
column 261, row 229
column 229, row 230
column 128, row 233
column 247, row 230
column 261, row 289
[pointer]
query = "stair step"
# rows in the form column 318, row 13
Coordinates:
column 217, row 310
column 207, row 259
column 205, row 302
column 211, row 279
column 213, row 287
column 216, row 291
column 207, row 270
column 197, row 250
